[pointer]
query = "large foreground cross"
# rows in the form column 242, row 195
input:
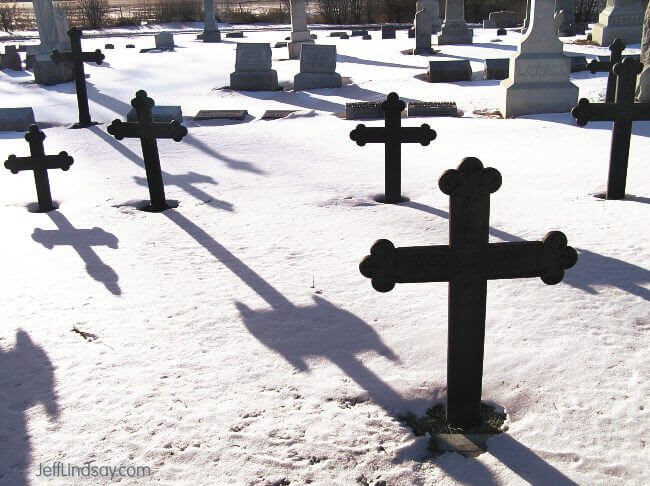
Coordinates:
column 78, row 57
column 467, row 264
column 148, row 132
column 622, row 112
column 393, row 135
column 40, row 164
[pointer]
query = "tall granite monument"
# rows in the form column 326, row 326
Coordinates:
column 210, row 28
column 454, row 28
column 565, row 18
column 643, row 92
column 621, row 19
column 52, row 30
column 436, row 24
column 539, row 80
column 423, row 27
column 299, row 31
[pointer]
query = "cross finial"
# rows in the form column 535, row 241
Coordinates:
column 470, row 178
column 141, row 100
column 617, row 46
column 34, row 134
column 393, row 103
column 556, row 257
column 629, row 67
column 75, row 32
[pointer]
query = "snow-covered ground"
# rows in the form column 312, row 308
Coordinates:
column 236, row 342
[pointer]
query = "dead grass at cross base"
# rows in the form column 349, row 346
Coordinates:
column 435, row 422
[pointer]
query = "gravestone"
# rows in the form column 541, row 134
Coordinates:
column 253, row 68
column 436, row 24
column 280, row 44
column 423, row 24
column 109, row 46
column 449, row 71
column 411, row 33
column 432, row 108
column 130, row 46
column 578, row 63
column 317, row 68
column 504, row 18
column 643, row 90
column 148, row 132
column 46, row 72
column 565, row 18
column 77, row 57
column 11, row 59
column 363, row 110
column 454, row 28
column 388, row 32
column 605, row 64
column 210, row 27
column 299, row 31
column 159, row 114
column 366, row 37
column 16, row 119
column 337, row 34
column 496, row 68
column 276, row 114
column 40, row 164
column 621, row 19
column 220, row 115
column 502, row 31
column 393, row 135
column 359, row 33
column 235, row 34
column 539, row 79
column 467, row 263
column 623, row 112
column 62, row 28
column 489, row 24
column 313, row 36
column 164, row 41
column 344, row 36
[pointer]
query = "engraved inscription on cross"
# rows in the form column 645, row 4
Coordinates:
column 148, row 132
column 40, row 164
column 622, row 112
column 467, row 264
column 393, row 135
column 616, row 49
column 78, row 57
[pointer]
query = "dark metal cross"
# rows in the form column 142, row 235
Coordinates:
column 622, row 112
column 78, row 57
column 393, row 135
column 616, row 49
column 467, row 264
column 148, row 132
column 40, row 164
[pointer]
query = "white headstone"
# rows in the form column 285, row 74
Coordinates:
column 644, row 77
column 317, row 68
column 454, row 28
column 62, row 28
column 253, row 68
column 299, row 31
column 539, row 79
column 46, row 23
column 621, row 19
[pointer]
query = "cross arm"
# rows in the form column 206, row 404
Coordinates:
column 585, row 112
column 96, row 57
column 59, row 57
column 61, row 161
column 363, row 135
column 599, row 66
column 546, row 259
column 173, row 130
column 387, row 265
column 121, row 130
column 422, row 135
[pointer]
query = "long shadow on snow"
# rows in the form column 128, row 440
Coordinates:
column 369, row 62
column 592, row 269
column 82, row 240
column 26, row 379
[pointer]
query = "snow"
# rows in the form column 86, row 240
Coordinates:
column 236, row 341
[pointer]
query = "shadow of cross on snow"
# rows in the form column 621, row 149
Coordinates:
column 297, row 333
column 26, row 379
column 82, row 240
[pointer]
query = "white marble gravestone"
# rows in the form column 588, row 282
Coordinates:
column 539, row 79
column 62, row 28
column 644, row 78
column 454, row 28
column 253, row 68
column 53, row 35
column 423, row 25
column 317, row 68
column 299, row 31
column 621, row 19
column 210, row 28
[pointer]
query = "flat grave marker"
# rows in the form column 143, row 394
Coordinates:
column 363, row 110
column 432, row 108
column 16, row 119
column 221, row 115
column 277, row 114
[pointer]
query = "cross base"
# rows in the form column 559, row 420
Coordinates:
column 147, row 207
column 78, row 125
column 381, row 198
column 35, row 207
column 468, row 445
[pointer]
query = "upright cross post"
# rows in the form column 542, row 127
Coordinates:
column 622, row 112
column 40, row 164
column 467, row 264
column 148, row 132
column 78, row 57
column 393, row 135
column 616, row 49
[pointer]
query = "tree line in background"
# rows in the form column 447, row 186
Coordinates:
column 101, row 13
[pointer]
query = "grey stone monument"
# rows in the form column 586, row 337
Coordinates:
column 164, row 40
column 436, row 24
column 539, row 78
column 253, row 68
column 565, row 18
column 299, row 31
column 423, row 27
column 11, row 59
column 62, row 28
column 317, row 68
column 454, row 28
column 621, row 19
column 210, row 28
column 644, row 78
column 53, row 36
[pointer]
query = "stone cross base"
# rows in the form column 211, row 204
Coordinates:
column 316, row 81
column 254, row 80
column 211, row 36
column 455, row 32
column 48, row 73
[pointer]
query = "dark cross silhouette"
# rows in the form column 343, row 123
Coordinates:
column 616, row 48
column 622, row 112
column 393, row 135
column 148, row 131
column 78, row 57
column 40, row 164
column 467, row 264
